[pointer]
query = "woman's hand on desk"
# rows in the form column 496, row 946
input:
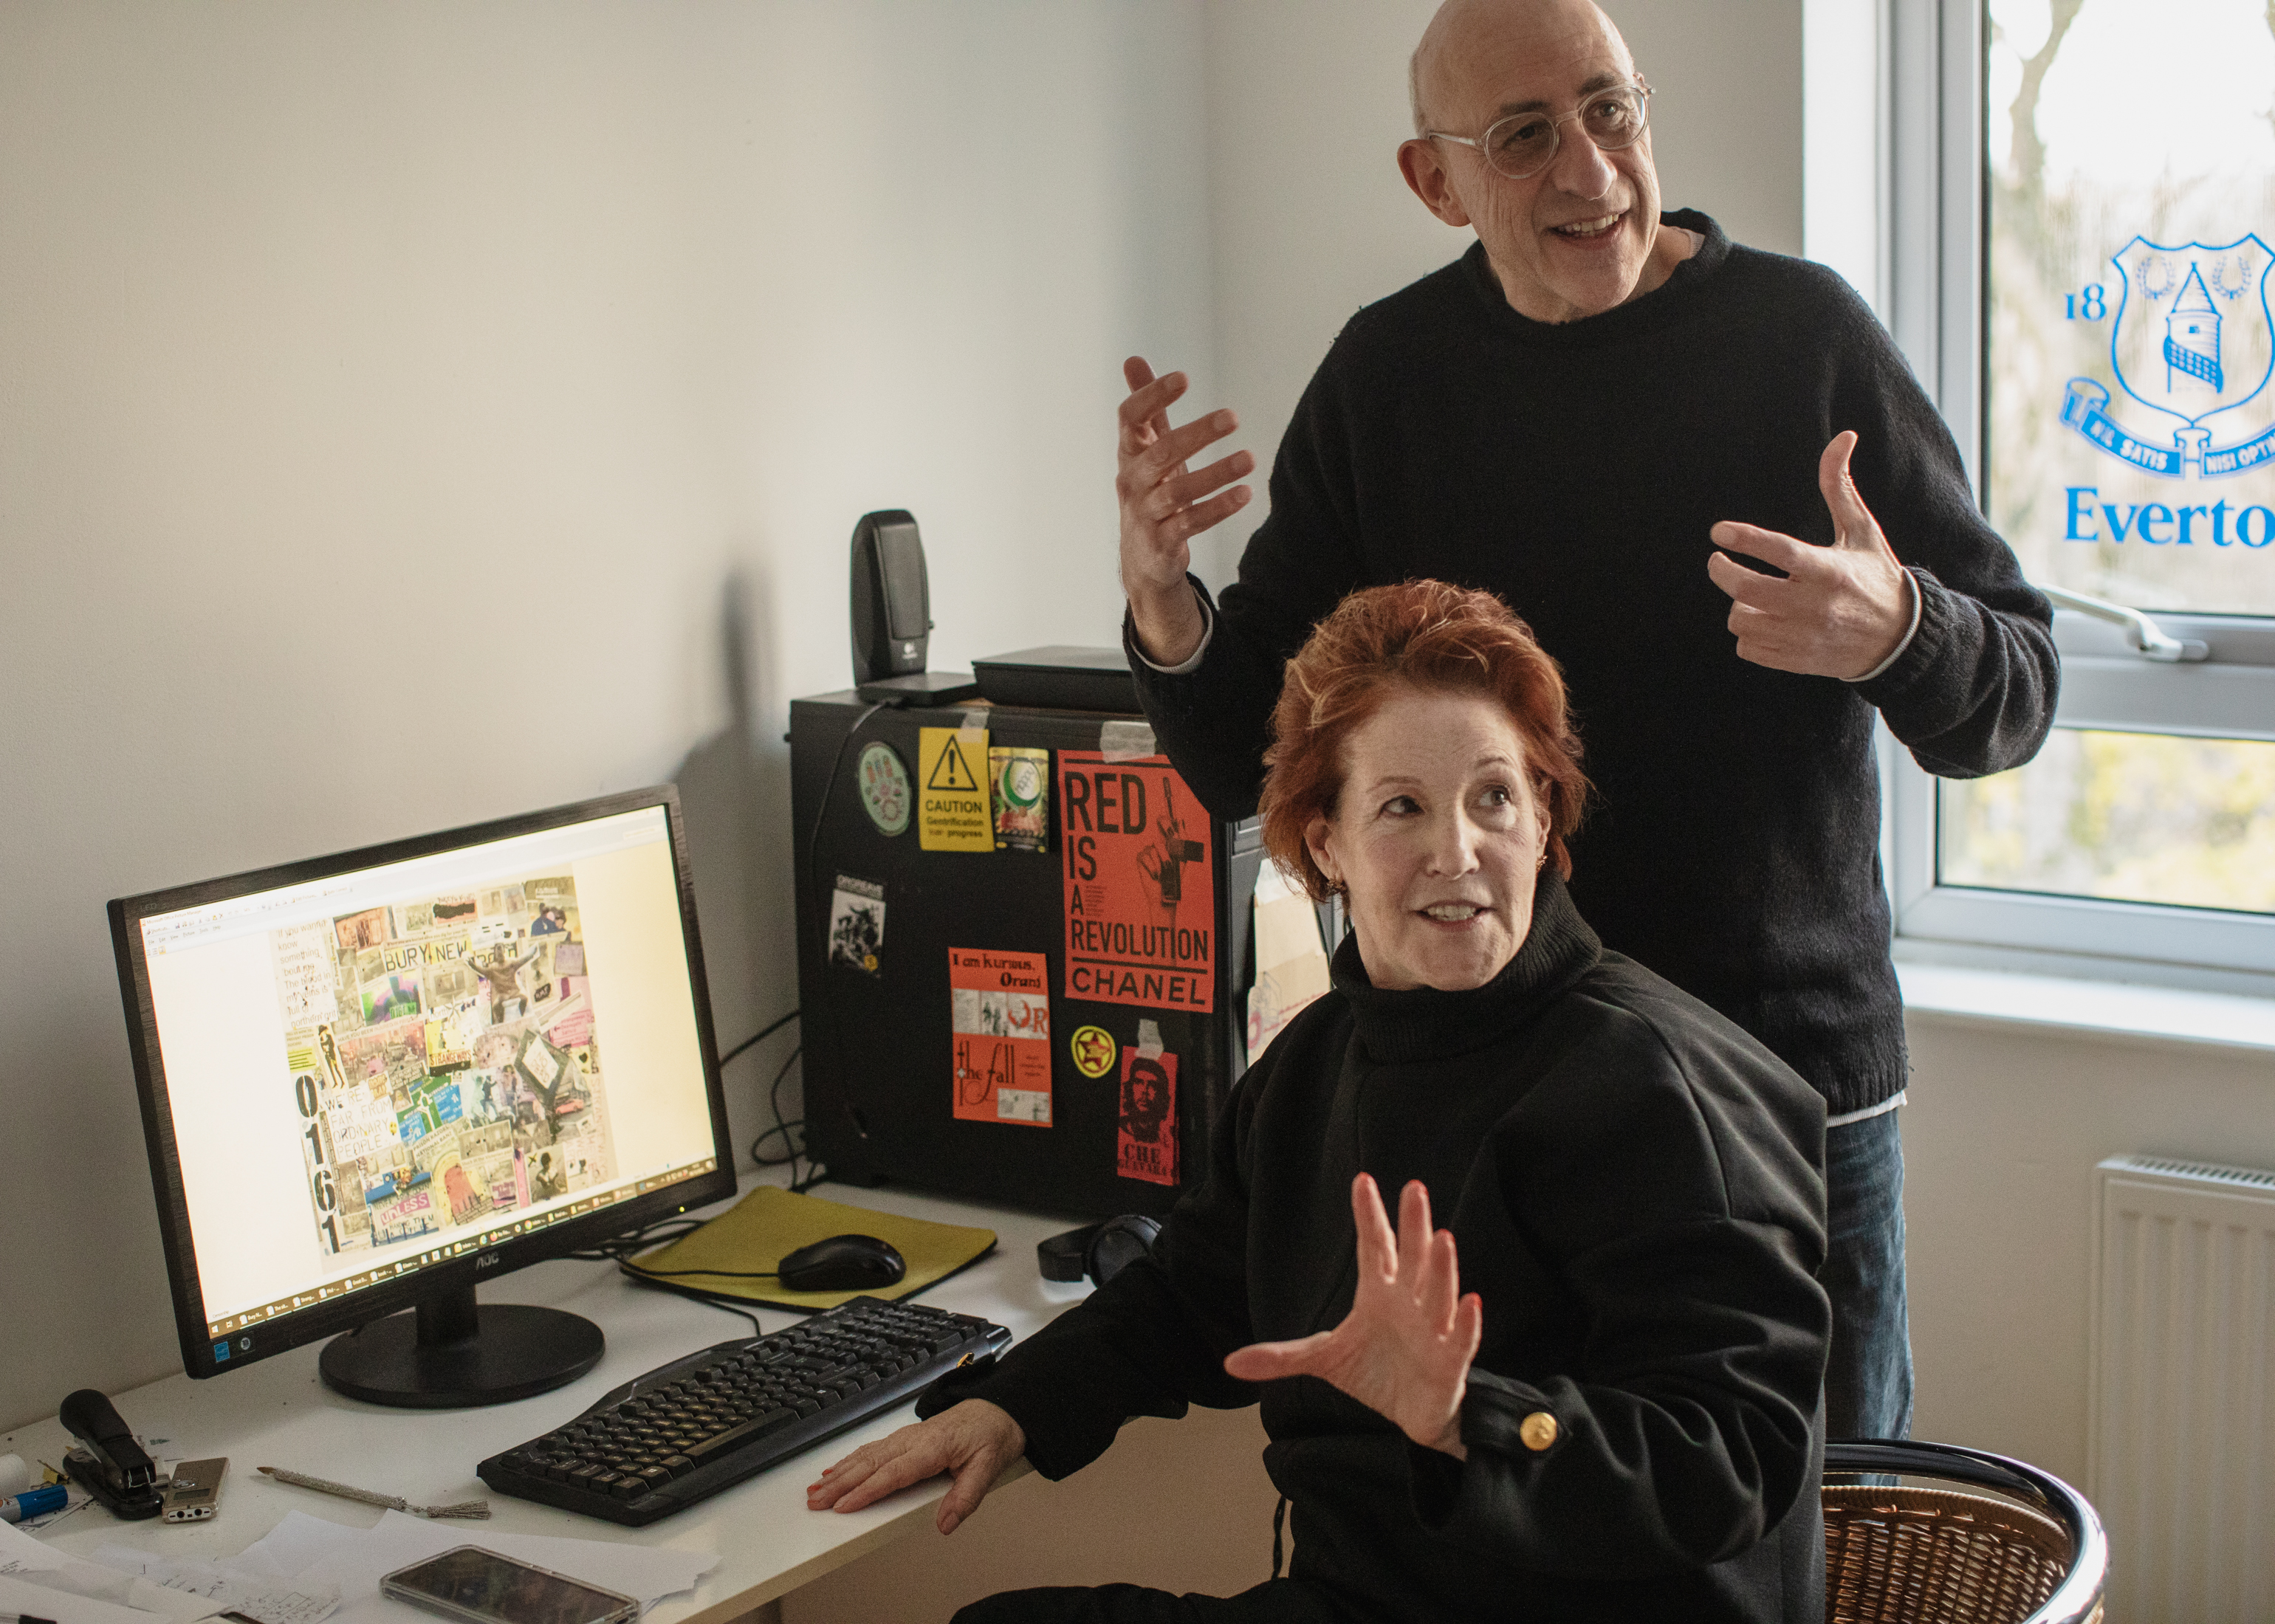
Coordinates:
column 1405, row 1348
column 973, row 1443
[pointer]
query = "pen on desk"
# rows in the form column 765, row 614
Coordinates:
column 32, row 1503
column 23, row 1618
column 478, row 1510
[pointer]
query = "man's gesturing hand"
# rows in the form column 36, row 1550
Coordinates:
column 1166, row 503
column 973, row 1443
column 1842, row 610
column 1404, row 1348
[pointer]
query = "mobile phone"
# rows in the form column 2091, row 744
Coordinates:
column 480, row 1587
column 193, row 1493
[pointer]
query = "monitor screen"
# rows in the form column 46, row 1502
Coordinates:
column 432, row 1060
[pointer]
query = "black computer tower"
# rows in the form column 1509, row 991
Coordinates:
column 1051, row 1015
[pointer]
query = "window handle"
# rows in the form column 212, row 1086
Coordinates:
column 2149, row 638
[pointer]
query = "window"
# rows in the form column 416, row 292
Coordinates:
column 2082, row 267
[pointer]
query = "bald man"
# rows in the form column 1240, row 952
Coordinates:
column 1707, row 479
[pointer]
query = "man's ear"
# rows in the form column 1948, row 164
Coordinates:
column 1422, row 164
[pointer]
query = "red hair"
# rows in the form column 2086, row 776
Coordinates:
column 1424, row 635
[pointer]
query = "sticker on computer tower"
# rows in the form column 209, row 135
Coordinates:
column 857, row 925
column 1093, row 1050
column 1140, row 885
column 884, row 783
column 1000, row 1031
column 1145, row 1144
column 1019, row 789
column 952, row 801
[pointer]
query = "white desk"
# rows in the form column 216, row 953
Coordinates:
column 279, row 1413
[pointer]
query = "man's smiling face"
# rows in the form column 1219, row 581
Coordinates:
column 1577, row 238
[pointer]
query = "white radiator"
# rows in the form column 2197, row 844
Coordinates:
column 2182, row 1438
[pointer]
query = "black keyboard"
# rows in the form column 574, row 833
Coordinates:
column 688, row 1429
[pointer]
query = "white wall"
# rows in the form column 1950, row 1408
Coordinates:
column 2001, row 1139
column 417, row 412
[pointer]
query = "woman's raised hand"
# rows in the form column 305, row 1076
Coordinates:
column 973, row 1443
column 1404, row 1348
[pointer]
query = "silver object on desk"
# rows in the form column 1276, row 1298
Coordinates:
column 477, row 1510
column 193, row 1488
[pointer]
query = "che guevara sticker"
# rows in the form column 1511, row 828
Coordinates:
column 1145, row 1135
column 1140, row 884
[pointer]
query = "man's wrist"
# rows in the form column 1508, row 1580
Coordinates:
column 1171, row 626
column 1914, row 608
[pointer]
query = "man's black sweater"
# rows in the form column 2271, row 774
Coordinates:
column 1574, row 469
column 1634, row 1187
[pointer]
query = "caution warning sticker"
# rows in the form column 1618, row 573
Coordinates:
column 952, row 811
column 1001, row 1027
column 1140, row 884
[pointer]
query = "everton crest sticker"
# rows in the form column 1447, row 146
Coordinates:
column 2193, row 348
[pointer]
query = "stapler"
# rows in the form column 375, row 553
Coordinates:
column 106, row 1461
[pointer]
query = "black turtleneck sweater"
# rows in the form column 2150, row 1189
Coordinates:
column 1635, row 1189
column 1574, row 469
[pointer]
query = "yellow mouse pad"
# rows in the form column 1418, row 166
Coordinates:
column 766, row 1225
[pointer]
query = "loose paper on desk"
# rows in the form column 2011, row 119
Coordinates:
column 75, row 1592
column 235, row 1585
column 1291, row 965
column 310, row 1549
column 22, row 1596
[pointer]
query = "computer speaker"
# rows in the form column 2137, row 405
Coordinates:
column 892, row 597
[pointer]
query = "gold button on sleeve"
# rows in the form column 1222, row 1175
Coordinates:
column 1538, row 1430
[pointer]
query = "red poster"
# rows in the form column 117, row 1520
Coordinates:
column 1140, row 884
column 1145, row 1146
column 1001, row 1028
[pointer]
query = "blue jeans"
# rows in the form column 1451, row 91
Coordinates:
column 1868, row 1380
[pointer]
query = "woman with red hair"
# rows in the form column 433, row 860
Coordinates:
column 1619, row 1419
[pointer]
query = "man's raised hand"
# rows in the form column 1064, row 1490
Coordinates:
column 1164, row 503
column 1404, row 1348
column 1841, row 609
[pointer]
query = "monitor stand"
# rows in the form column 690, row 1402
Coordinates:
column 450, row 1354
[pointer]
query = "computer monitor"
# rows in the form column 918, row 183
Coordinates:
column 370, row 1081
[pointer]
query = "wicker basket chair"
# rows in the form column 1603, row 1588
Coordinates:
column 1921, row 1554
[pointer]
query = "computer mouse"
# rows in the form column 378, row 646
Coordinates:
column 842, row 1263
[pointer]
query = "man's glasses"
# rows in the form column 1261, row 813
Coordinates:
column 1523, row 143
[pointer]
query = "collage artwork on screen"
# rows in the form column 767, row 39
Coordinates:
column 444, row 1061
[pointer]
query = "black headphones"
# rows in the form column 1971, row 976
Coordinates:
column 1099, row 1250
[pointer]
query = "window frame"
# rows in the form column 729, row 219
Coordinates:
column 1934, row 198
